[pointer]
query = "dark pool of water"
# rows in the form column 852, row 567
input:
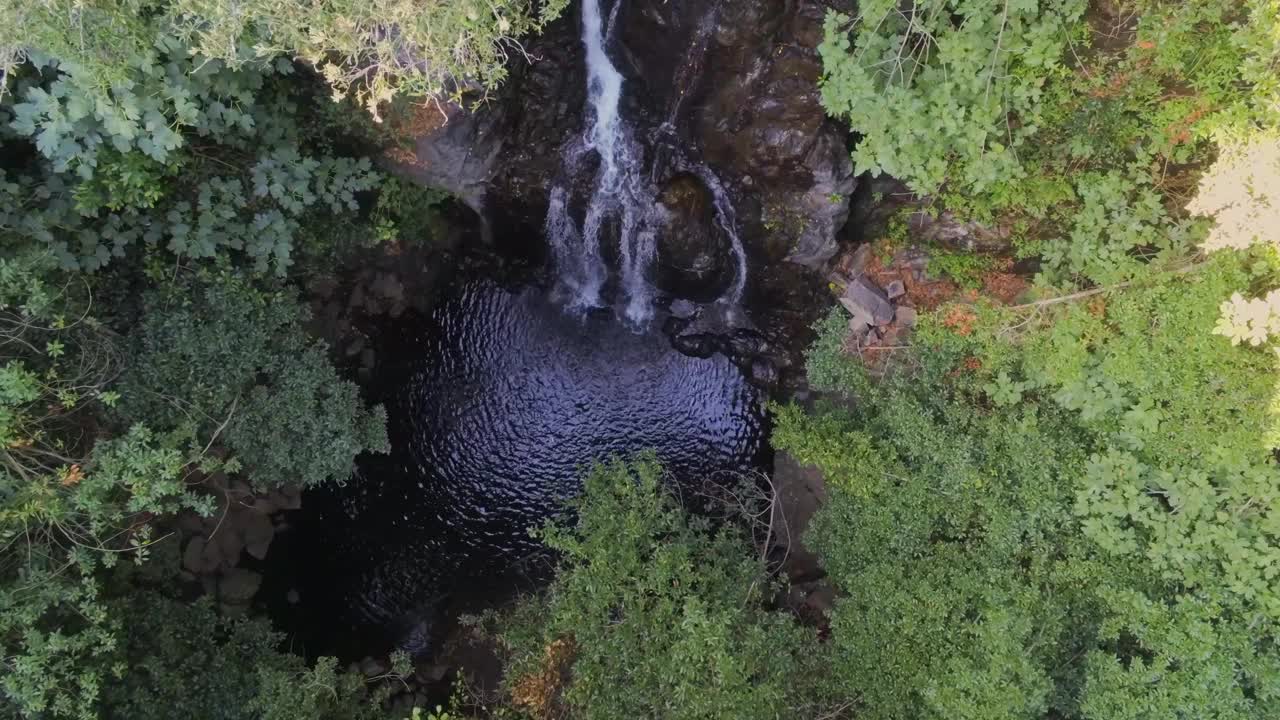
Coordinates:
column 497, row 402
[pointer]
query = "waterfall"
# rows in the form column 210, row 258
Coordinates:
column 623, row 198
column 728, row 222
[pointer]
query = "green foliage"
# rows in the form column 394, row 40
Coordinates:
column 148, row 191
column 664, row 615
column 187, row 154
column 224, row 361
column 1068, row 510
column 407, row 211
column 965, row 269
column 60, row 530
column 373, row 50
column 1079, row 133
column 185, row 660
column 944, row 533
column 167, row 90
column 944, row 90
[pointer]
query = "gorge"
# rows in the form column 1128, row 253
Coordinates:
column 678, row 359
column 500, row 397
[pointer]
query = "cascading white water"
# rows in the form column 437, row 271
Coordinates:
column 622, row 194
column 728, row 221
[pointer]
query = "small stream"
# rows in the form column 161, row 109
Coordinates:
column 497, row 402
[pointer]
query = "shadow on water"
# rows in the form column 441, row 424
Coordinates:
column 496, row 404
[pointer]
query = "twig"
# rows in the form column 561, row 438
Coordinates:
column 1098, row 291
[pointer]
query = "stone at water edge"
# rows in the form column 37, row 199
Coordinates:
column 258, row 533
column 196, row 560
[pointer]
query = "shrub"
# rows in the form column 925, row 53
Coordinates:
column 225, row 362
column 653, row 614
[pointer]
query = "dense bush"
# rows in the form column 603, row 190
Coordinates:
column 185, row 660
column 653, row 614
column 371, row 49
column 944, row 90
column 190, row 184
column 225, row 361
column 1074, row 519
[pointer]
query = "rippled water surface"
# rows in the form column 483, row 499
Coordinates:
column 496, row 403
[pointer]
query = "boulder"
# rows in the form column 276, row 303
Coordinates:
column 237, row 586
column 859, row 316
column 258, row 532
column 196, row 559
column 863, row 294
column 905, row 316
column 946, row 229
column 373, row 667
column 694, row 255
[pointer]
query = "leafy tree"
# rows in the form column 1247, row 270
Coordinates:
column 372, row 49
column 960, row 573
column 182, row 181
column 226, row 362
column 185, row 660
column 944, row 90
column 188, row 155
column 653, row 614
column 1065, row 510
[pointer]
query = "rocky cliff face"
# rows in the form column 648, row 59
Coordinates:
column 728, row 85
column 737, row 83
column 729, row 82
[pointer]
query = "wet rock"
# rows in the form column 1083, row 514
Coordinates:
column 195, row 559
column 237, row 586
column 699, row 346
column 452, row 149
column 683, row 309
column 865, row 295
column 233, row 610
column 374, row 667
column 355, row 346
column 401, row 706
column 763, row 373
column 431, row 674
column 227, row 543
column 800, row 491
column 190, row 523
column 694, row 255
column 540, row 108
column 726, row 85
column 258, row 533
column 388, row 287
column 323, row 287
